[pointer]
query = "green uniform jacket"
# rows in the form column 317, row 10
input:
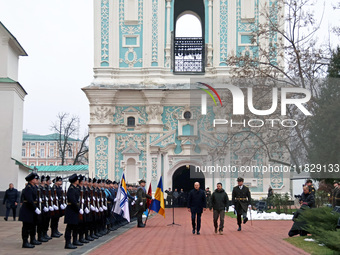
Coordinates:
column 219, row 200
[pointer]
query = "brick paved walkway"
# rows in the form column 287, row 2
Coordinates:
column 263, row 237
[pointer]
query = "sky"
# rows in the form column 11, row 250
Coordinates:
column 58, row 38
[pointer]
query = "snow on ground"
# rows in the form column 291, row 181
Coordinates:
column 266, row 216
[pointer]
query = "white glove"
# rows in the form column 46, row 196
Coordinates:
column 88, row 199
column 115, row 200
column 57, row 198
column 97, row 209
column 233, row 206
column 83, row 200
column 45, row 209
column 102, row 199
column 62, row 207
column 141, row 203
column 94, row 199
column 65, row 205
column 100, row 209
column 153, row 198
column 133, row 203
column 87, row 211
column 46, row 198
column 40, row 200
column 55, row 207
column 37, row 211
column 51, row 208
column 92, row 208
column 135, row 198
column 249, row 206
column 104, row 207
column 81, row 211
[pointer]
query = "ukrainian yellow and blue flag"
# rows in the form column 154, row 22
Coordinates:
column 157, row 204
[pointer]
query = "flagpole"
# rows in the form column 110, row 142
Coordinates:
column 147, row 216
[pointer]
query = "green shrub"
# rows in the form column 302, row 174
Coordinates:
column 321, row 223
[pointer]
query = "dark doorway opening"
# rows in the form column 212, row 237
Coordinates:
column 181, row 179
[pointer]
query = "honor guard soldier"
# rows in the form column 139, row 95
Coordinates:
column 57, row 202
column 82, row 219
column 241, row 201
column 72, row 213
column 29, row 211
column 45, row 210
column 87, row 211
column 141, row 202
column 50, row 212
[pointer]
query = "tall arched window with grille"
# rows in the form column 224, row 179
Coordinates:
column 131, row 122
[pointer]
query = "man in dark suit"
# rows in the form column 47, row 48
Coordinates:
column 141, row 203
column 11, row 200
column 29, row 211
column 241, row 201
column 72, row 212
column 196, row 203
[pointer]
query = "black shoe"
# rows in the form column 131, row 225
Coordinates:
column 98, row 234
column 94, row 236
column 43, row 240
column 35, row 242
column 89, row 238
column 198, row 233
column 6, row 220
column 70, row 246
column 77, row 243
column 215, row 230
column 193, row 231
column 141, row 225
column 27, row 245
column 58, row 233
column 54, row 234
column 245, row 220
column 83, row 240
column 47, row 237
column 239, row 228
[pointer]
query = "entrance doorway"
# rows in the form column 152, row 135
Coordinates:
column 181, row 179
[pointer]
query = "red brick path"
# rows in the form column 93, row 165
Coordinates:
column 263, row 237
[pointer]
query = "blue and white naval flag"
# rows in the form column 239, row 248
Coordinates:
column 122, row 202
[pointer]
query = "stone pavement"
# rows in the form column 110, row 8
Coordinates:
column 264, row 237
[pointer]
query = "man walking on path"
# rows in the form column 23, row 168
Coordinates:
column 196, row 203
column 241, row 201
column 11, row 200
column 219, row 201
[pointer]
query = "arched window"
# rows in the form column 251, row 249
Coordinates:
column 131, row 121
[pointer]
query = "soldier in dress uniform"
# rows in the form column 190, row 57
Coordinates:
column 241, row 201
column 72, row 212
column 47, row 217
column 57, row 194
column 29, row 211
column 82, row 221
column 93, row 208
column 88, row 213
column 45, row 209
column 141, row 203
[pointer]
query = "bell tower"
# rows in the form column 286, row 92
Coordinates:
column 142, row 122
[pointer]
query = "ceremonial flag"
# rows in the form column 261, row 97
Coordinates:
column 157, row 204
column 148, row 201
column 122, row 202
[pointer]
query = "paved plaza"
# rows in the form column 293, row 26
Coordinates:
column 263, row 237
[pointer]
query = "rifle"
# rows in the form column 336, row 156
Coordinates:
column 92, row 202
column 81, row 218
column 62, row 201
column 50, row 202
column 45, row 199
column 55, row 200
column 39, row 203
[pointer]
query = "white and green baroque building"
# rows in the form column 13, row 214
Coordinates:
column 140, row 92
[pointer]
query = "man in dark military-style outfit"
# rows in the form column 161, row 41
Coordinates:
column 310, row 185
column 29, row 211
column 44, row 209
column 57, row 194
column 336, row 194
column 72, row 212
column 241, row 201
column 141, row 203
